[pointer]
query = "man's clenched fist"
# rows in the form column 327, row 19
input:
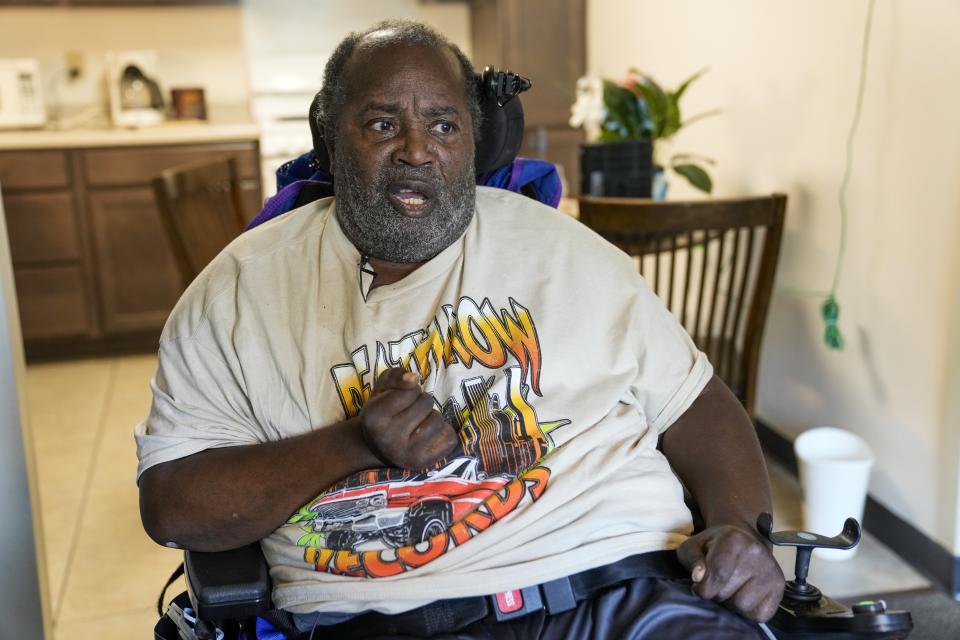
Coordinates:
column 732, row 565
column 400, row 425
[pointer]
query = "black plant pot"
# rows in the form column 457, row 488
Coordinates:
column 617, row 169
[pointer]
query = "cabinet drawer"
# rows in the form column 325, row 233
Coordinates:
column 52, row 301
column 138, row 166
column 42, row 227
column 33, row 169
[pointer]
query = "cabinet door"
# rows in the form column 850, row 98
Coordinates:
column 52, row 301
column 134, row 166
column 542, row 39
column 139, row 281
column 42, row 227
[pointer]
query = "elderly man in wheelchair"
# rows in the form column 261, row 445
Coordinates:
column 443, row 409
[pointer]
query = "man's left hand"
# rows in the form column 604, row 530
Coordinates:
column 734, row 566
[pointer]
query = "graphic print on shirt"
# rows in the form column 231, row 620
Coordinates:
column 382, row 522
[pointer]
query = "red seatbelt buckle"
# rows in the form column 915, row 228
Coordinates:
column 516, row 603
column 509, row 601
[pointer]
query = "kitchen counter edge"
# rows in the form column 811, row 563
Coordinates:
column 170, row 133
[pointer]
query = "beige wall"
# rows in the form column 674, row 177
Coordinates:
column 785, row 75
column 197, row 46
column 282, row 26
column 200, row 46
column 289, row 41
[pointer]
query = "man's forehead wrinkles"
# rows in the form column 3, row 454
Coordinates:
column 387, row 107
column 431, row 109
column 441, row 110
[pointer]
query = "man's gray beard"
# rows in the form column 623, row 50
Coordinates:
column 378, row 230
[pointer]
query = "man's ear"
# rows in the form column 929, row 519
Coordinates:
column 319, row 131
column 322, row 149
column 330, row 159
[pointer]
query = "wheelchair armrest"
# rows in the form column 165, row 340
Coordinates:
column 232, row 584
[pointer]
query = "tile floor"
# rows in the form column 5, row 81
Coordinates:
column 105, row 573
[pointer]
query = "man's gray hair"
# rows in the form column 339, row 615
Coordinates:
column 333, row 94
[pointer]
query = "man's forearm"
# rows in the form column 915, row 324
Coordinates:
column 228, row 497
column 714, row 450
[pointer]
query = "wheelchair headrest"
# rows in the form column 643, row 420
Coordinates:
column 501, row 129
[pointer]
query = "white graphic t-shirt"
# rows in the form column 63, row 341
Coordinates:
column 539, row 343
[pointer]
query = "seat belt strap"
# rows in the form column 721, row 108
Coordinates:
column 558, row 595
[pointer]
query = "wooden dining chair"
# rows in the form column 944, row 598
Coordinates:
column 201, row 209
column 712, row 262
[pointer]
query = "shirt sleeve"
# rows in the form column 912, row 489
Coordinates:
column 671, row 370
column 199, row 403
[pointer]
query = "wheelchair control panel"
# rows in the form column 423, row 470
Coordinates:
column 805, row 613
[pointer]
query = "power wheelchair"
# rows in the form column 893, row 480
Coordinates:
column 227, row 591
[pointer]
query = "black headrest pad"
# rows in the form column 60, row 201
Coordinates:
column 501, row 135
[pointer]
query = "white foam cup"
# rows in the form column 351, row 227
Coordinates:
column 834, row 473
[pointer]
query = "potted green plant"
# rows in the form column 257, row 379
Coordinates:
column 638, row 117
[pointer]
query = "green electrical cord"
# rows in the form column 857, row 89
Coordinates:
column 830, row 309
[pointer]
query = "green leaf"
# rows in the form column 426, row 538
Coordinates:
column 608, row 135
column 696, row 176
column 686, row 83
column 685, row 158
column 671, row 120
column 624, row 117
column 657, row 104
column 701, row 116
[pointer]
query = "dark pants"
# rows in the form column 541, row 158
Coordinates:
column 639, row 609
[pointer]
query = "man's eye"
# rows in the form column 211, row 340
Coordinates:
column 382, row 126
column 444, row 127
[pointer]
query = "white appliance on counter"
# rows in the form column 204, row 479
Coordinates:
column 21, row 94
column 135, row 97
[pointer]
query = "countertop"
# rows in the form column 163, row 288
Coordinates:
column 220, row 129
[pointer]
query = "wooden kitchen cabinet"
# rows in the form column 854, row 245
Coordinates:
column 93, row 266
column 135, row 267
column 544, row 40
column 42, row 227
column 34, row 170
column 52, row 302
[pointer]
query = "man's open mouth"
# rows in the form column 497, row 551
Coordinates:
column 411, row 198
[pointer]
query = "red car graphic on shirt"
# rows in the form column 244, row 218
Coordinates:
column 403, row 511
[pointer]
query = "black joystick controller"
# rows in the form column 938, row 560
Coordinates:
column 805, row 613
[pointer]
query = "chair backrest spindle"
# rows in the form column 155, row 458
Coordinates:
column 718, row 263
column 201, row 209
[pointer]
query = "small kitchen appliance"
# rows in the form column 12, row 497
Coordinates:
column 21, row 94
column 135, row 97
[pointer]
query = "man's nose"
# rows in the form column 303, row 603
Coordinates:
column 415, row 148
